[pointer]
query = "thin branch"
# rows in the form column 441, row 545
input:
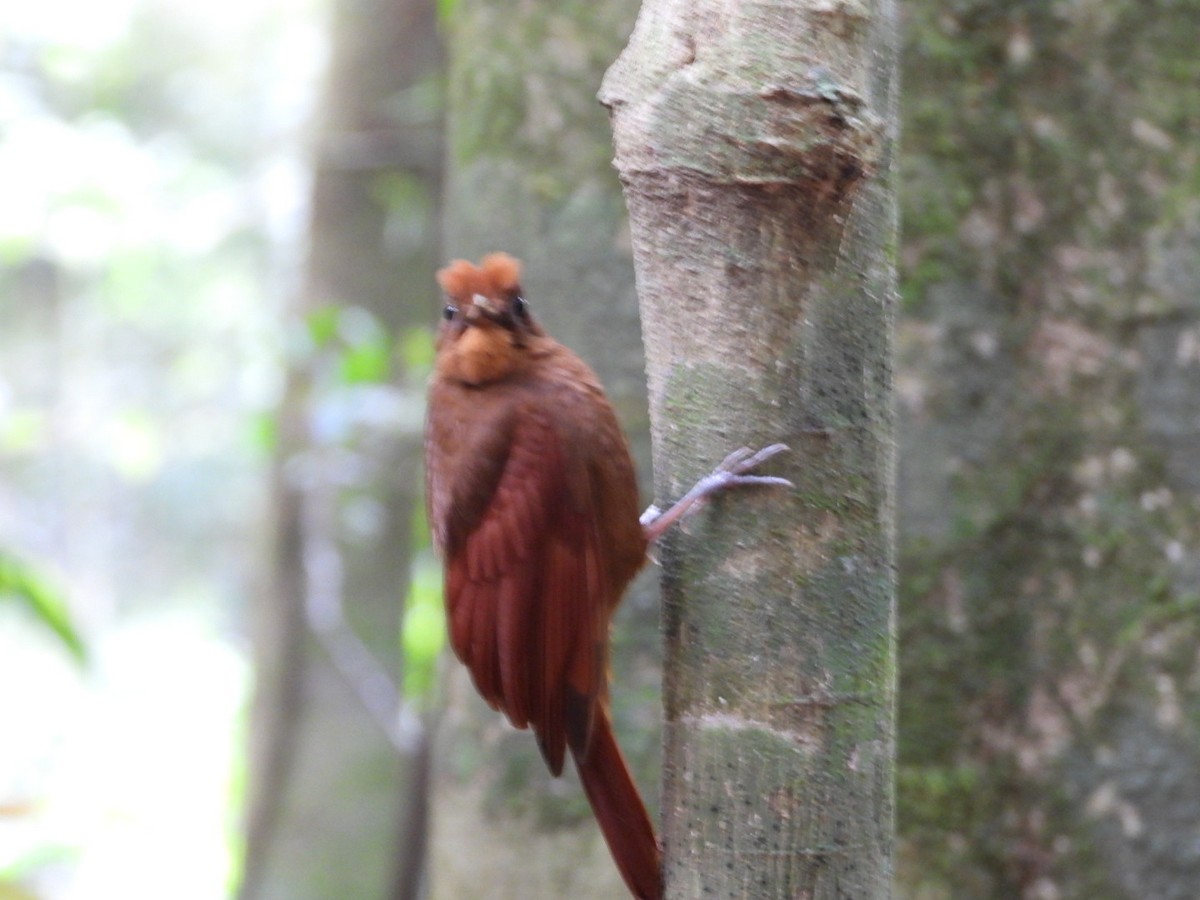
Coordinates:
column 377, row 690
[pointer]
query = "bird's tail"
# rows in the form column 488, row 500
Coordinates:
column 619, row 810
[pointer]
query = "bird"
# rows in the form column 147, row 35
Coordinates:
column 532, row 499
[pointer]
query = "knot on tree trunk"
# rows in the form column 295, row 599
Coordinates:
column 690, row 97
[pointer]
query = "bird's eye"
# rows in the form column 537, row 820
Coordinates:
column 449, row 311
column 520, row 307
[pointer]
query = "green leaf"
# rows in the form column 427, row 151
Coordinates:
column 365, row 354
column 323, row 324
column 22, row 584
column 423, row 632
column 446, row 9
column 263, row 431
column 368, row 362
column 416, row 351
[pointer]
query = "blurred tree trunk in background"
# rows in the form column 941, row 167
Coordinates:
column 1050, row 451
column 328, row 790
column 530, row 173
column 763, row 217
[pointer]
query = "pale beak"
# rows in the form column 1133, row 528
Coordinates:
column 483, row 302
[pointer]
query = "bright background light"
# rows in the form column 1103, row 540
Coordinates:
column 153, row 183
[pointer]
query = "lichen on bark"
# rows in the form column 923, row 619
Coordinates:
column 754, row 142
column 1049, row 435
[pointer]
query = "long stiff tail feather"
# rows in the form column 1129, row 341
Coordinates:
column 619, row 810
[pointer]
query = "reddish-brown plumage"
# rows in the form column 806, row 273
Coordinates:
column 534, row 505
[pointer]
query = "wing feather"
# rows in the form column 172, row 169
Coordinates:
column 527, row 592
column 514, row 619
column 588, row 665
column 560, row 587
column 483, row 663
column 459, row 611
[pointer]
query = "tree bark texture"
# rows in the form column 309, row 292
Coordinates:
column 755, row 144
column 328, row 796
column 1050, row 448
column 530, row 173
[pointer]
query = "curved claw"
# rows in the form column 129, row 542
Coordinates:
column 744, row 459
column 730, row 473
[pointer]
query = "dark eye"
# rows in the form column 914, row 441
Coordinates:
column 520, row 307
column 450, row 311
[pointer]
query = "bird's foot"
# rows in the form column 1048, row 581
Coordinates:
column 730, row 473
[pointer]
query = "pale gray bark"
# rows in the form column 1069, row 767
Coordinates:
column 755, row 143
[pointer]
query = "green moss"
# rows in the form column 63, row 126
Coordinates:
column 531, row 97
column 1041, row 561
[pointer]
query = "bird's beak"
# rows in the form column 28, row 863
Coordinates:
column 481, row 311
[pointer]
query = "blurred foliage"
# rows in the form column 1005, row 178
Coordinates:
column 446, row 9
column 363, row 381
column 15, row 871
column 423, row 631
column 362, row 378
column 10, row 890
column 423, row 628
column 362, row 347
column 416, row 350
column 25, row 586
column 153, row 178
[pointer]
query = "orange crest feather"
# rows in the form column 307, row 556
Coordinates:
column 497, row 273
column 501, row 271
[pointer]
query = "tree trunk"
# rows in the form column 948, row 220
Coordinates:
column 1050, row 434
column 755, row 143
column 327, row 786
column 530, row 174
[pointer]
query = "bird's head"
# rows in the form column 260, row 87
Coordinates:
column 486, row 329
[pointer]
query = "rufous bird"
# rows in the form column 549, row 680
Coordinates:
column 533, row 503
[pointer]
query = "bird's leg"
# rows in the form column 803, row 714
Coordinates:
column 730, row 473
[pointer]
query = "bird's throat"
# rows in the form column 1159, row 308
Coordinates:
column 481, row 355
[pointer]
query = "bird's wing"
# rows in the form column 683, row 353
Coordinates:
column 527, row 592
